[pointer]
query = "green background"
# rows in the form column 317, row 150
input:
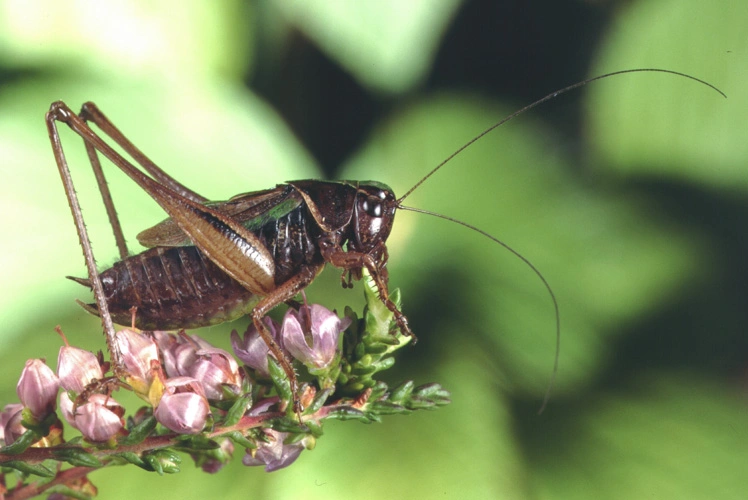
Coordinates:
column 629, row 195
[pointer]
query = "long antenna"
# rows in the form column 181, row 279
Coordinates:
column 534, row 269
column 550, row 96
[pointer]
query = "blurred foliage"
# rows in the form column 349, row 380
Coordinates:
column 695, row 138
column 629, row 196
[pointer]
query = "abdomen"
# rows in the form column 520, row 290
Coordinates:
column 173, row 288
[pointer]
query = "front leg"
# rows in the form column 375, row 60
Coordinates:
column 354, row 262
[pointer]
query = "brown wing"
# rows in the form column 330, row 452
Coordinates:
column 250, row 209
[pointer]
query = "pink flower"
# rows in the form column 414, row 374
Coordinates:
column 77, row 368
column 183, row 407
column 217, row 370
column 99, row 419
column 214, row 461
column 311, row 335
column 252, row 350
column 273, row 453
column 37, row 388
column 140, row 357
column 11, row 426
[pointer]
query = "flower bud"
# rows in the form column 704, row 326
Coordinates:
column 252, row 350
column 164, row 460
column 166, row 343
column 212, row 461
column 67, row 408
column 37, row 388
column 183, row 407
column 273, row 454
column 180, row 353
column 11, row 426
column 99, row 419
column 140, row 357
column 163, row 340
column 216, row 369
column 77, row 368
column 311, row 335
column 178, row 358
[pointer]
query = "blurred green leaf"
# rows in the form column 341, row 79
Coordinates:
column 662, row 125
column 172, row 39
column 668, row 437
column 386, row 45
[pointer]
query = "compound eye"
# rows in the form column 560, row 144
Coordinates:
column 373, row 209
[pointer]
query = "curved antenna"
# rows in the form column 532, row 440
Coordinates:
column 524, row 259
column 548, row 98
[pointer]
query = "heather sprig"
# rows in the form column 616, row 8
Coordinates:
column 203, row 402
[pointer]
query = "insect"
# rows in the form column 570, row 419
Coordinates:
column 211, row 262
